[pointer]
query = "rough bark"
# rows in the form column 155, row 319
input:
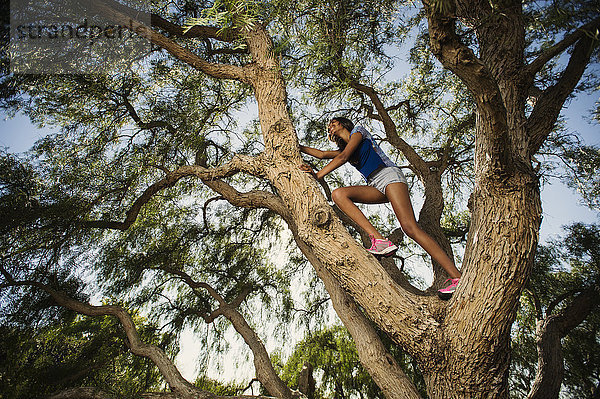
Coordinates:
column 498, row 258
column 384, row 369
column 506, row 208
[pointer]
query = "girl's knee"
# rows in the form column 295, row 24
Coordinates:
column 339, row 195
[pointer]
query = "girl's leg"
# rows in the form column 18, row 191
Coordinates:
column 345, row 198
column 397, row 194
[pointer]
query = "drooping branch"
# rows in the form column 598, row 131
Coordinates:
column 239, row 163
column 262, row 362
column 543, row 117
column 165, row 365
column 145, row 125
column 208, row 32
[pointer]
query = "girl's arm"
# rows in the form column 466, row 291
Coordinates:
column 342, row 156
column 318, row 153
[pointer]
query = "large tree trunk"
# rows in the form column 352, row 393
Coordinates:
column 498, row 258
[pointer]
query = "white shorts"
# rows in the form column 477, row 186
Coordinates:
column 388, row 175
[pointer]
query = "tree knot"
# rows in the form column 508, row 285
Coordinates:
column 321, row 216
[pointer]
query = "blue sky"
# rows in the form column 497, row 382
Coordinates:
column 561, row 205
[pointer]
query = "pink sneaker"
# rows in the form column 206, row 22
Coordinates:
column 446, row 293
column 381, row 247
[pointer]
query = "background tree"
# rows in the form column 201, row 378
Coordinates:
column 86, row 353
column 142, row 152
column 560, row 303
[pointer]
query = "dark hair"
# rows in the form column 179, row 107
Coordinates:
column 347, row 124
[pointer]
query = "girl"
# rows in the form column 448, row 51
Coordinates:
column 385, row 183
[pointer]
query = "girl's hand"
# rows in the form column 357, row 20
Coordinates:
column 306, row 168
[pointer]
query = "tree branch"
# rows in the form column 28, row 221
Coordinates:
column 166, row 367
column 95, row 393
column 208, row 32
column 390, row 128
column 262, row 362
column 145, row 125
column 380, row 364
column 239, row 163
column 543, row 117
column 578, row 310
column 455, row 56
column 252, row 199
column 215, row 70
column 82, row 393
column 536, row 65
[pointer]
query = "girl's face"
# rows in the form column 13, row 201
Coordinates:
column 334, row 128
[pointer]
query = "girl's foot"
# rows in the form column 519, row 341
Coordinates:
column 381, row 247
column 446, row 293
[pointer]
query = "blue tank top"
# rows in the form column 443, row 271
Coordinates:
column 368, row 156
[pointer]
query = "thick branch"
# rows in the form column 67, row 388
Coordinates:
column 536, row 65
column 454, row 55
column 543, row 117
column 252, row 199
column 215, row 70
column 237, row 164
column 265, row 372
column 380, row 364
column 460, row 59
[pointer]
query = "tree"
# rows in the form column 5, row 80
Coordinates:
column 331, row 355
column 84, row 352
column 124, row 198
column 560, row 303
